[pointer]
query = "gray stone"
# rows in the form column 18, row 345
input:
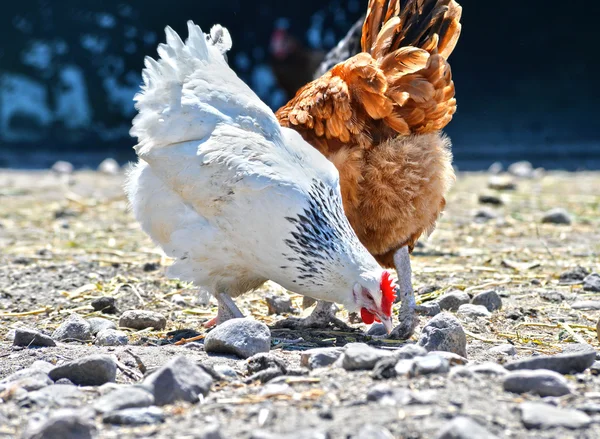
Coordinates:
column 320, row 357
column 111, row 337
column 109, row 166
column 575, row 358
column 539, row 415
column 178, row 380
column 473, row 311
column 75, row 328
column 62, row 167
column 501, row 183
column 496, row 168
column 372, row 431
column 430, row 364
column 463, row 427
column 27, row 379
column 452, row 358
column 452, row 300
column 226, row 372
column 484, row 215
column 444, row 333
column 490, row 299
column 359, row 356
column 552, row 296
column 242, row 337
column 209, row 432
column 279, row 304
column 264, row 367
column 31, row 337
column 557, row 216
column 403, row 367
column 63, row 424
column 460, row 372
column 98, row 324
column 124, row 398
column 489, row 368
column 490, row 199
column 94, row 370
column 42, row 365
column 586, row 305
column 540, row 382
column 142, row 319
column 522, row 169
column 575, row 275
column 106, row 305
column 429, row 309
column 135, row 416
column 592, row 283
column 410, row 351
column 56, row 396
column 377, row 330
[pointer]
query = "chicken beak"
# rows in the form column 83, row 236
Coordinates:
column 387, row 323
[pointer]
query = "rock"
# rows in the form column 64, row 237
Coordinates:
column 452, row 358
column 496, row 168
column 586, row 305
column 504, row 349
column 62, row 167
column 541, row 382
column 372, row 431
column 430, row 364
column 31, row 337
column 56, row 396
column 264, row 367
column 385, row 368
column 151, row 266
column 124, row 398
column 319, row 357
column 98, row 324
column 557, row 216
column 501, row 183
column 463, row 427
column 279, row 304
column 452, row 300
column 178, row 299
column 473, row 311
column 574, row 359
column 180, row 379
column 460, row 372
column 552, row 296
column 410, row 351
column 521, row 169
column 376, row 330
column 488, row 368
column 226, row 372
column 111, row 337
column 107, row 305
column 576, row 275
column 429, row 309
column 425, row 289
column 109, row 166
column 490, row 299
column 209, row 432
column 359, row 356
column 135, row 416
column 490, row 199
column 44, row 366
column 63, row 424
column 142, row 319
column 27, row 379
column 542, row 416
column 93, row 370
column 592, row 283
column 484, row 215
column 444, row 333
column 242, row 337
column 403, row 368
column 75, row 328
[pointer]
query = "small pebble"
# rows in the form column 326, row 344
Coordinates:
column 540, row 382
column 452, row 300
column 142, row 319
column 429, row 309
column 93, row 370
column 226, row 371
column 319, row 357
column 501, row 183
column 463, row 427
column 109, row 166
column 490, row 299
column 557, row 216
column 242, row 337
column 107, row 305
column 521, row 169
column 62, row 167
column 539, row 415
column 425, row 289
column 178, row 299
column 359, row 356
column 135, row 416
column 31, row 337
column 473, row 311
column 576, row 275
column 28, row 379
column 111, row 337
column 586, row 305
column 430, row 364
column 452, row 358
column 403, row 368
column 75, row 328
column 575, row 358
column 504, row 349
column 592, row 283
column 58, row 395
column 124, row 398
column 410, row 351
column 490, row 199
column 484, row 215
column 444, row 333
column 279, row 304
column 496, row 168
column 63, row 424
column 180, row 379
column 488, row 368
column 151, row 266
column 98, row 324
column 372, row 431
column 552, row 296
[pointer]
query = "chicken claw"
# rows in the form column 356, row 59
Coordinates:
column 322, row 317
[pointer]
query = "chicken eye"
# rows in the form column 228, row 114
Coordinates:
column 369, row 297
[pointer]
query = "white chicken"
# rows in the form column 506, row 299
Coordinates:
column 233, row 197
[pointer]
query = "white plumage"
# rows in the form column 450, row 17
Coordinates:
column 230, row 195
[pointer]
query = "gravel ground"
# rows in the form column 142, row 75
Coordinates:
column 68, row 240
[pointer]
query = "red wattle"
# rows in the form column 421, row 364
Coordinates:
column 367, row 316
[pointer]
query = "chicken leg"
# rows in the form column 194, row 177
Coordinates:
column 323, row 316
column 407, row 315
column 227, row 310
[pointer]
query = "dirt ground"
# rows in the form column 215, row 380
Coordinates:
column 65, row 240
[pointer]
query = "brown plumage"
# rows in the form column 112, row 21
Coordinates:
column 378, row 116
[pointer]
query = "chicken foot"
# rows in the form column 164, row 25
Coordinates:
column 227, row 310
column 406, row 314
column 323, row 316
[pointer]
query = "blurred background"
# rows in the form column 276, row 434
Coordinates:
column 525, row 73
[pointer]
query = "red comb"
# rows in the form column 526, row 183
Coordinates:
column 388, row 293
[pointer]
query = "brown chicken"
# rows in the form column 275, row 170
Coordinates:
column 377, row 116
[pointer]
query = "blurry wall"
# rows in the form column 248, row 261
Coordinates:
column 525, row 73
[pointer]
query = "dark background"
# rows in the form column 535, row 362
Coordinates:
column 525, row 72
